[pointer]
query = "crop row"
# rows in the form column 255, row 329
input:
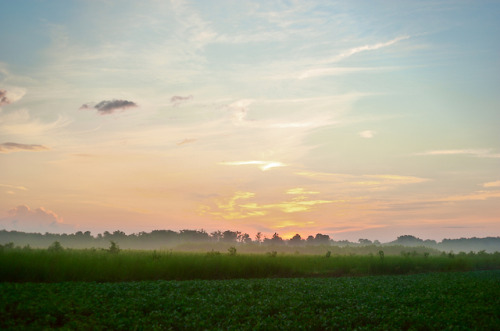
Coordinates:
column 420, row 302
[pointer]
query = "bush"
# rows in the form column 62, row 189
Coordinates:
column 114, row 248
column 231, row 251
column 55, row 247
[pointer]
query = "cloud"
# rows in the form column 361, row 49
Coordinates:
column 16, row 187
column 367, row 134
column 239, row 110
column 263, row 165
column 331, row 71
column 23, row 218
column 15, row 147
column 319, row 72
column 176, row 100
column 11, row 96
column 186, row 141
column 478, row 195
column 483, row 153
column 492, row 184
column 3, row 98
column 363, row 182
column 359, row 49
column 301, row 191
column 231, row 209
column 106, row 107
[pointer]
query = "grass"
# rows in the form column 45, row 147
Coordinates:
column 34, row 265
column 432, row 301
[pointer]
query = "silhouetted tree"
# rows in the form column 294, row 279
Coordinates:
column 258, row 237
column 245, row 238
column 216, row 235
column 229, row 236
column 295, row 240
column 322, row 239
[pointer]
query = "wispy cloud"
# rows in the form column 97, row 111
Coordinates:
column 300, row 191
column 106, row 107
column 177, row 100
column 479, row 195
column 232, row 208
column 186, row 141
column 365, row 182
column 325, row 70
column 483, row 153
column 492, row 184
column 367, row 134
column 20, row 123
column 11, row 96
column 15, row 147
column 14, row 187
column 263, row 165
column 364, row 48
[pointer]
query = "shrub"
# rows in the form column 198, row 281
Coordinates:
column 231, row 251
column 55, row 247
column 114, row 248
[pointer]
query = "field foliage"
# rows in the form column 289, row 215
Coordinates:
column 57, row 264
column 432, row 301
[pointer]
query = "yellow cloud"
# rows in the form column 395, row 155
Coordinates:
column 492, row 184
column 300, row 190
column 479, row 195
column 231, row 209
column 263, row 165
column 377, row 182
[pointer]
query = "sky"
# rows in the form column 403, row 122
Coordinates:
column 356, row 119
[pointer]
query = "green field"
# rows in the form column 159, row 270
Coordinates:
column 20, row 265
column 135, row 290
column 432, row 301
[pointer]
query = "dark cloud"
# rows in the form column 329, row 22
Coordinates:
column 15, row 147
column 110, row 106
column 23, row 218
column 4, row 100
column 177, row 99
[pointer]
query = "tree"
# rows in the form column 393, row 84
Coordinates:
column 276, row 239
column 296, row 240
column 216, row 235
column 258, row 237
column 365, row 242
column 322, row 238
column 229, row 236
column 246, row 238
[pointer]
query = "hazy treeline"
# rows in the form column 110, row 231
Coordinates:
column 166, row 239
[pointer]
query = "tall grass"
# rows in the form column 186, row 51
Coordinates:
column 20, row 265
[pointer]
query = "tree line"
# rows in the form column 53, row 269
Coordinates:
column 169, row 238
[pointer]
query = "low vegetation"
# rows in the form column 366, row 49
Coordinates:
column 432, row 301
column 57, row 264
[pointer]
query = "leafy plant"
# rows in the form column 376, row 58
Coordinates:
column 113, row 248
column 231, row 251
column 55, row 247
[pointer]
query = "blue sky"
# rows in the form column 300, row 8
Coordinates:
column 358, row 119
